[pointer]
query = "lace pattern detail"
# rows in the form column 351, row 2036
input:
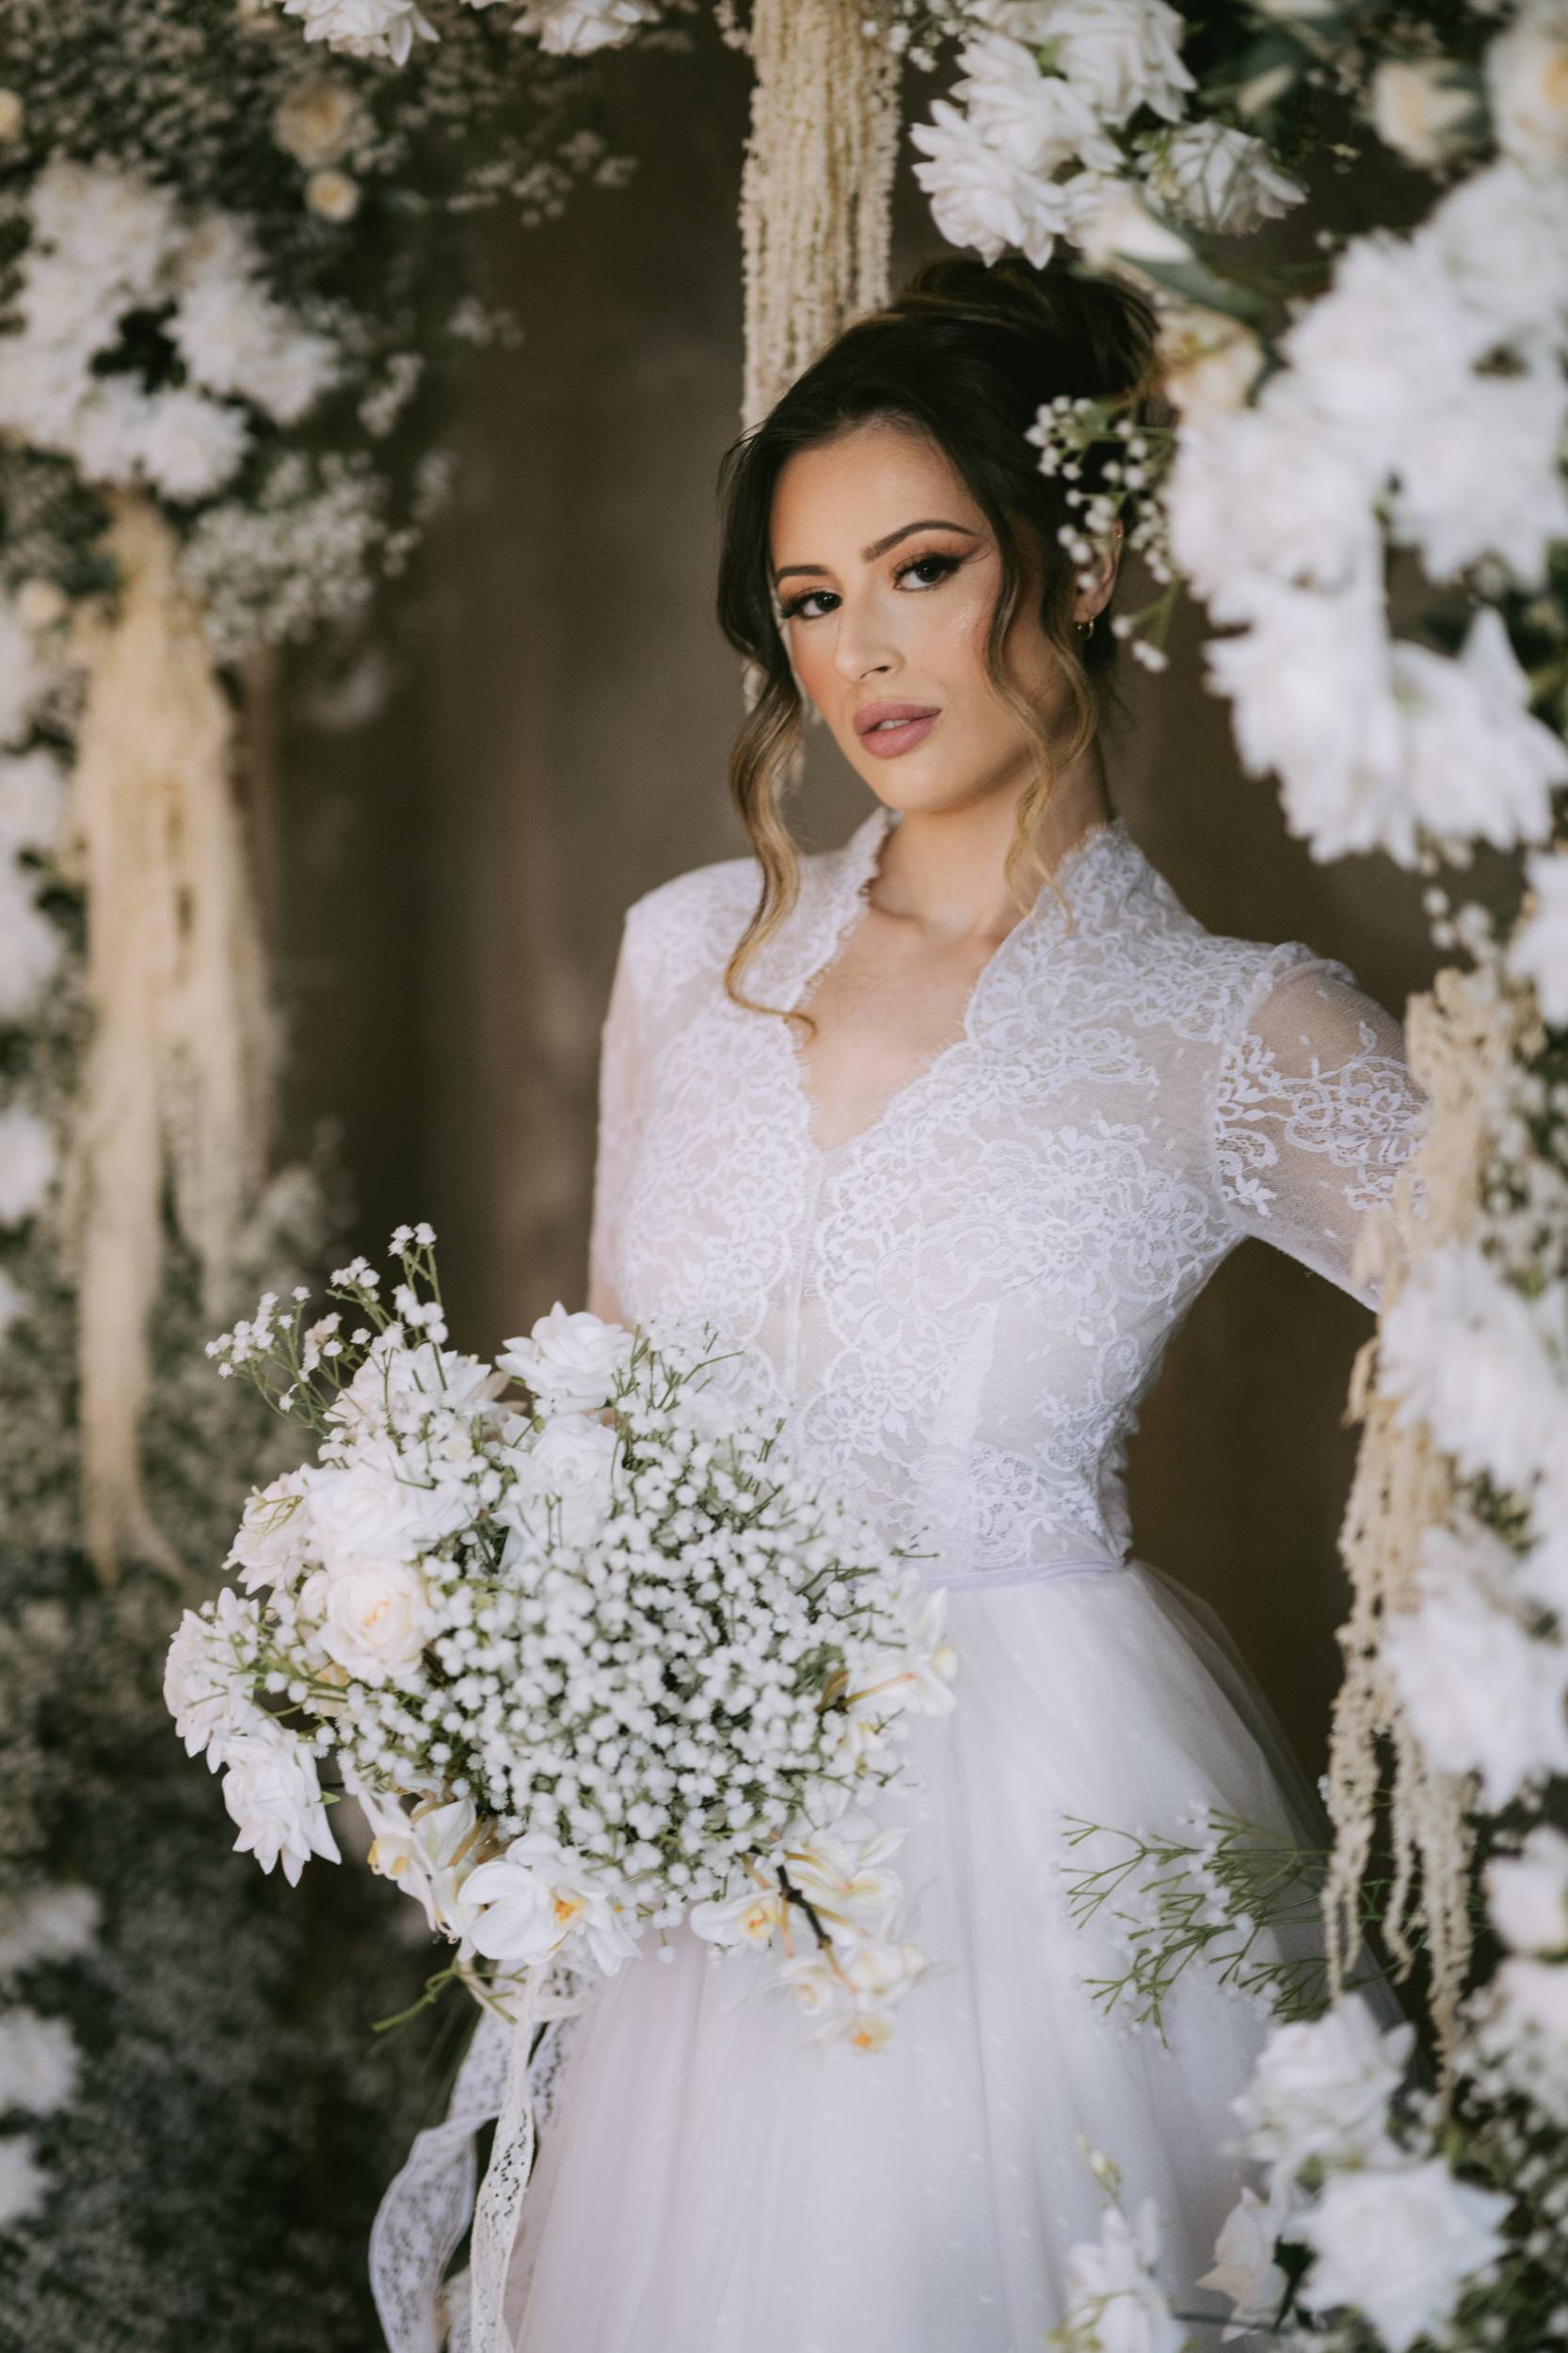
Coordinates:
column 958, row 1308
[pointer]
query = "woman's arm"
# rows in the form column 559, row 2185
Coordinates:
column 619, row 1076
column 1314, row 1110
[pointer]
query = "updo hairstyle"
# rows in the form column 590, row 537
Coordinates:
column 967, row 354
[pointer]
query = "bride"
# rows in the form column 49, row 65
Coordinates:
column 944, row 1131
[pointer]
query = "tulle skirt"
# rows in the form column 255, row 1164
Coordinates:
column 709, row 2181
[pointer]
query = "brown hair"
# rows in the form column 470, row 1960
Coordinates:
column 967, row 353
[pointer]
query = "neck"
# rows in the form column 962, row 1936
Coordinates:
column 946, row 869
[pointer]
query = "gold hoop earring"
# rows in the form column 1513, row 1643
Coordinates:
column 1086, row 626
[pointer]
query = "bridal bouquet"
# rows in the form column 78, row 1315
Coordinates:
column 591, row 1655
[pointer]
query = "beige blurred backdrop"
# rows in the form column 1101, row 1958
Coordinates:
column 452, row 877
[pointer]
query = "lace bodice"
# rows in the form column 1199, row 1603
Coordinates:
column 959, row 1308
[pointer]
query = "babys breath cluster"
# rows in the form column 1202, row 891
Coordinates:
column 1128, row 454
column 592, row 1655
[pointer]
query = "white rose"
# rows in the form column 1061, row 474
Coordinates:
column 1221, row 180
column 274, row 1531
column 576, row 28
column 1528, row 1893
column 980, row 197
column 1399, row 2245
column 271, row 1791
column 1321, row 2088
column 365, row 1507
column 1426, row 108
column 376, row 1616
column 572, row 1462
column 1526, row 80
column 1121, row 53
column 569, row 1362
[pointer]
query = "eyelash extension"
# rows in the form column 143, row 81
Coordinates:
column 949, row 564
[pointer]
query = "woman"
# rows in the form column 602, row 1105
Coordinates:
column 948, row 1219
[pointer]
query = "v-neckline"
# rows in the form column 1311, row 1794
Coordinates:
column 855, row 868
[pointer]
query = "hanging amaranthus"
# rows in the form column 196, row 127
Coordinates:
column 178, row 1071
column 816, row 193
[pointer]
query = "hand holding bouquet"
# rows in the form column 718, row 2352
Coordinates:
column 592, row 1655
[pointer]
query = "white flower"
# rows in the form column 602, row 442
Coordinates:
column 1478, row 764
column 374, row 1507
column 274, row 1531
column 1221, row 180
column 271, row 1791
column 1122, row 229
column 1527, row 1892
column 1481, row 476
column 1321, row 2088
column 808, row 1979
column 39, row 2062
column 46, row 1923
column 1465, row 1351
column 1244, row 2267
column 1535, row 1993
column 1537, row 952
column 752, row 1918
column 576, row 28
column 190, row 445
column 570, row 1362
column 1039, row 122
column 1209, row 361
column 234, row 339
column 979, row 196
column 536, row 1898
column 32, row 801
column 1425, row 109
column 28, row 1163
column 364, row 28
column 1400, row 2245
column 1114, row 2302
column 1527, row 81
column 318, row 122
column 376, row 1616
column 106, row 222
column 571, row 1460
column 23, row 673
column 332, row 195
column 1501, row 237
column 423, row 1853
column 207, row 1684
column 24, row 2184
column 1120, row 53
column 1480, row 1694
column 30, row 945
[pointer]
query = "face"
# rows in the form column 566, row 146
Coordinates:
column 888, row 573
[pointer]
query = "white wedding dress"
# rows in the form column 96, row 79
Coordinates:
column 958, row 1309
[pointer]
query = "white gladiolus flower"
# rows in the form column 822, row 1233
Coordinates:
column 1527, row 81
column 31, row 946
column 1399, row 2244
column 39, row 2062
column 535, row 1898
column 47, row 1923
column 577, row 28
column 1321, row 2088
column 1537, row 952
column 376, row 1616
column 1478, row 764
column 1463, row 1349
column 32, row 802
column 1527, row 1894
column 207, row 1679
column 364, row 28
column 1218, row 179
column 1244, row 2267
column 1481, row 1693
column 1425, row 109
column 271, row 1791
column 24, row 2184
column 570, row 1362
column 1114, row 2302
column 28, row 1164
column 570, row 1461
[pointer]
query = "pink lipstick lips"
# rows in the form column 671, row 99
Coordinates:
column 888, row 728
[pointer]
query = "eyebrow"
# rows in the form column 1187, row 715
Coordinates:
column 880, row 547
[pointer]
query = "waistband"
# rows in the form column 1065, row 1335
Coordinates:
column 1027, row 1572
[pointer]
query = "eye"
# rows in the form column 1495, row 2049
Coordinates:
column 796, row 609
column 944, row 565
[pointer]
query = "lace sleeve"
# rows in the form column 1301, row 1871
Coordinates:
column 1314, row 1110
column 619, row 1076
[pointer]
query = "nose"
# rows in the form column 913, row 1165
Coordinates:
column 860, row 645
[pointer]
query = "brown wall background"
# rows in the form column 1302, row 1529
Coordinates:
column 455, row 875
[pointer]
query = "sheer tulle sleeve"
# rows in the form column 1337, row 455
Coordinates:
column 619, row 1079
column 1314, row 1110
